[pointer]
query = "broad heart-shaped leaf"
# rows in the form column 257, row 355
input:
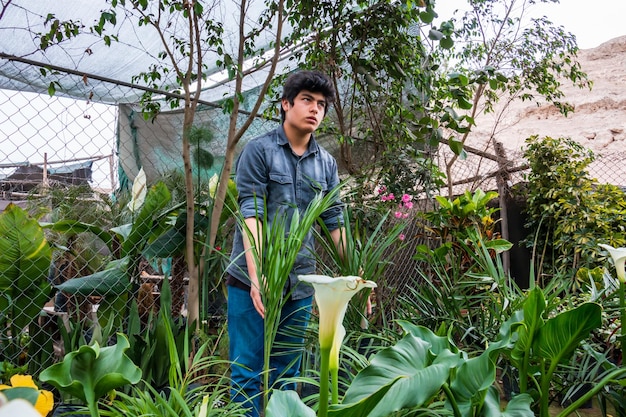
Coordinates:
column 406, row 368
column 561, row 334
column 91, row 371
column 518, row 406
column 533, row 310
column 25, row 258
column 362, row 408
column 437, row 343
column 473, row 378
column 287, row 403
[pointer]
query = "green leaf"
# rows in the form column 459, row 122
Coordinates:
column 73, row 227
column 112, row 280
column 498, row 245
column 561, row 334
column 473, row 378
column 404, row 370
column 25, row 258
column 25, row 393
column 446, row 43
column 456, row 146
column 518, row 406
column 157, row 198
column 287, row 403
column 91, row 372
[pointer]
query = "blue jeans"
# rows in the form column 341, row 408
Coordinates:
column 246, row 336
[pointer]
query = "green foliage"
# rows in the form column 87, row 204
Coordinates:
column 415, row 373
column 514, row 55
column 91, row 372
column 191, row 389
column 366, row 254
column 126, row 243
column 25, row 257
column 378, row 55
column 280, row 242
column 569, row 212
column 150, row 342
column 456, row 228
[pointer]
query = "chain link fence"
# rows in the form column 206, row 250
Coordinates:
column 67, row 159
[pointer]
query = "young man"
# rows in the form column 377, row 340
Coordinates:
column 276, row 172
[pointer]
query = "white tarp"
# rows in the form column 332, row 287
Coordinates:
column 22, row 22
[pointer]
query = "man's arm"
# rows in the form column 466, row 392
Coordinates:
column 338, row 237
column 255, row 228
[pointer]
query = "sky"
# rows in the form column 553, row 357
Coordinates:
column 593, row 22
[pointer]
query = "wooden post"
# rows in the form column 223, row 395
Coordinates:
column 44, row 180
column 502, row 180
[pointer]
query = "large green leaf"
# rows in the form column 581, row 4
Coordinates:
column 25, row 258
column 518, row 406
column 534, row 307
column 287, row 403
column 112, row 280
column 73, row 227
column 561, row 334
column 91, row 371
column 473, row 378
column 438, row 344
column 404, row 369
column 362, row 408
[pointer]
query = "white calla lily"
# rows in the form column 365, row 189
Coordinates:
column 332, row 296
column 213, row 183
column 138, row 192
column 619, row 259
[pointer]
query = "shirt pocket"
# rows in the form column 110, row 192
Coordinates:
column 281, row 189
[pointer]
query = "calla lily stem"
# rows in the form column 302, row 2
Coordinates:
column 323, row 403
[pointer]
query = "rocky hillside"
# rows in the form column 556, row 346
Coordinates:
column 598, row 122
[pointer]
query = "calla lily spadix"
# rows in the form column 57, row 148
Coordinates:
column 619, row 259
column 332, row 296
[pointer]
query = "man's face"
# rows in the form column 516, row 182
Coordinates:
column 307, row 111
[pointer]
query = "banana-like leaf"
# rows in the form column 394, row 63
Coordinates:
column 25, row 258
column 74, row 227
column 112, row 280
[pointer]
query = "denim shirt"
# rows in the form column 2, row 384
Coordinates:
column 267, row 170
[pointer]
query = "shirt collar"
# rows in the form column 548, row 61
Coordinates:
column 282, row 141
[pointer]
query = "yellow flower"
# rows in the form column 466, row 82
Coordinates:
column 45, row 401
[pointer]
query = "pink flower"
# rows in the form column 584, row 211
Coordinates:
column 390, row 197
column 401, row 236
column 398, row 214
column 408, row 205
column 406, row 198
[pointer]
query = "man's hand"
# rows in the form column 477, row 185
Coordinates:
column 257, row 301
